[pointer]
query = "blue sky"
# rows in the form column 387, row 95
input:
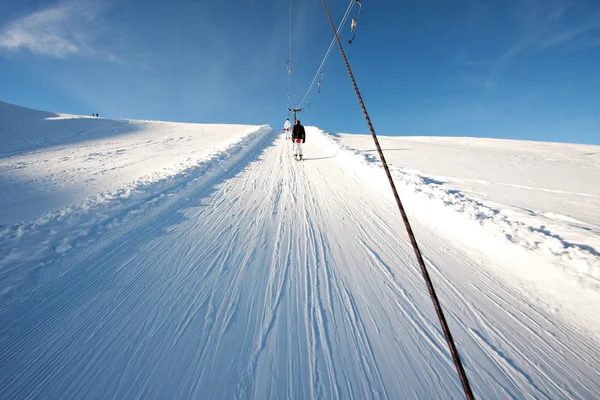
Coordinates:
column 525, row 69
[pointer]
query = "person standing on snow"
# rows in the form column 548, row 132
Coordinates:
column 298, row 137
column 286, row 128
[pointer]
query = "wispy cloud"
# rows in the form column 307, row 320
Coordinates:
column 59, row 31
column 543, row 24
column 571, row 34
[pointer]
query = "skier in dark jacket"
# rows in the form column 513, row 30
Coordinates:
column 298, row 137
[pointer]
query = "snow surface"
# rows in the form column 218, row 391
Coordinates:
column 544, row 197
column 216, row 266
column 50, row 161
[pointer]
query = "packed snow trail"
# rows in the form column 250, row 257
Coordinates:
column 281, row 279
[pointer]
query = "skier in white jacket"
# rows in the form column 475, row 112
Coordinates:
column 286, row 128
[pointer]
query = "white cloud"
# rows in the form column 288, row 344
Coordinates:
column 568, row 35
column 41, row 32
column 538, row 26
column 59, row 31
column 545, row 27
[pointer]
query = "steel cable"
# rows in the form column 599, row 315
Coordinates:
column 436, row 303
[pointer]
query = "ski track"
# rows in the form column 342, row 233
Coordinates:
column 278, row 279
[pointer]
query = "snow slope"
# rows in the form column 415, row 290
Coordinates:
column 250, row 275
column 543, row 197
column 50, row 161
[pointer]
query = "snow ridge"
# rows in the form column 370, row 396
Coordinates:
column 31, row 245
column 581, row 261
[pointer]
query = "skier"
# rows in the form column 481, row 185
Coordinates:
column 286, row 128
column 298, row 137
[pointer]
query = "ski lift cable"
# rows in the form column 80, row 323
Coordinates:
column 289, row 60
column 290, row 34
column 320, row 69
column 436, row 302
column 326, row 57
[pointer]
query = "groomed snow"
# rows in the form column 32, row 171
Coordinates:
column 50, row 161
column 242, row 273
column 543, row 197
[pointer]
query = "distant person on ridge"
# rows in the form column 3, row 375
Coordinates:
column 286, row 128
column 298, row 137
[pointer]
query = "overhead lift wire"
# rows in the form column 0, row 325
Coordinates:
column 289, row 60
column 320, row 69
column 436, row 303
